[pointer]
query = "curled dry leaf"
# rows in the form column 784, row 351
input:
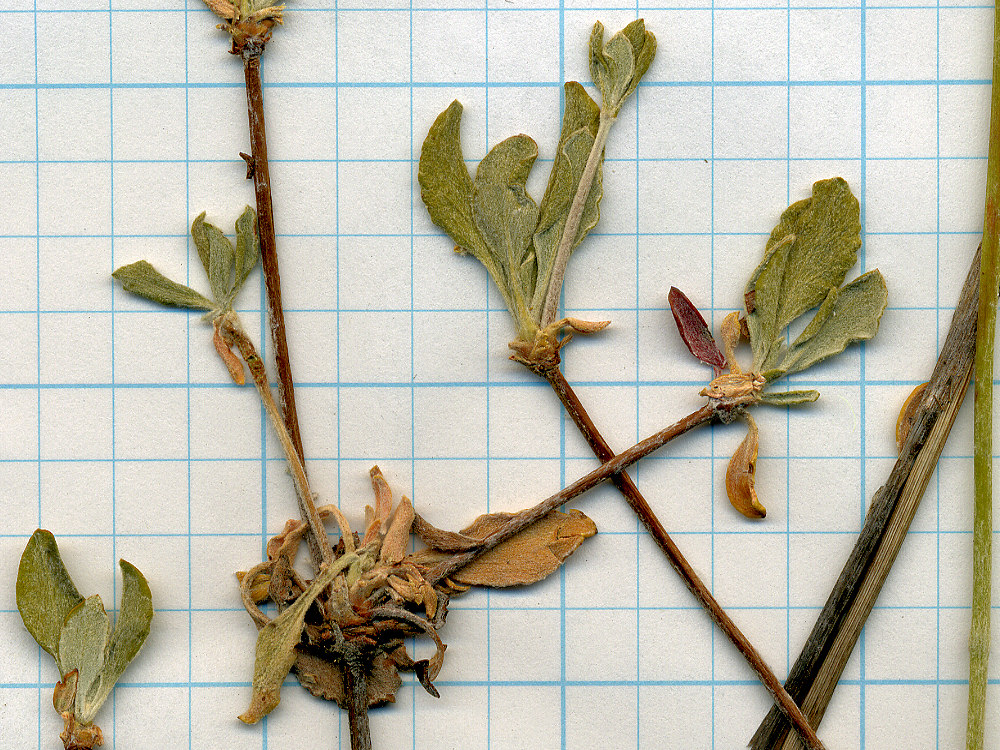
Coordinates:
column 733, row 330
column 907, row 414
column 441, row 540
column 64, row 694
column 740, row 475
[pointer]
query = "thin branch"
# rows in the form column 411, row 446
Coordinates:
column 258, row 168
column 675, row 557
column 319, row 544
column 605, row 471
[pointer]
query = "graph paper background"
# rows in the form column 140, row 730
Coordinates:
column 120, row 432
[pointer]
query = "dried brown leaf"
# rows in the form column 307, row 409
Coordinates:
column 398, row 535
column 525, row 558
column 441, row 540
column 233, row 363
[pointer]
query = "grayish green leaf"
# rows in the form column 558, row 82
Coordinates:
column 199, row 232
column 788, row 398
column 618, row 66
column 581, row 119
column 247, row 248
column 445, row 184
column 83, row 645
column 810, row 250
column 45, row 593
column 854, row 315
column 505, row 214
column 819, row 319
column 140, row 278
column 276, row 644
column 643, row 48
column 221, row 262
column 447, row 189
column 131, row 629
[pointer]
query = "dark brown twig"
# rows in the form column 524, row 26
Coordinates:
column 817, row 670
column 574, row 407
column 257, row 166
column 605, row 471
column 356, row 688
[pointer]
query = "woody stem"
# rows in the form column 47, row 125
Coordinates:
column 258, row 169
column 356, row 687
column 574, row 407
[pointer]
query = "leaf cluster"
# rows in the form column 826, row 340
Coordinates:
column 227, row 267
column 493, row 218
column 807, row 256
column 77, row 631
column 805, row 262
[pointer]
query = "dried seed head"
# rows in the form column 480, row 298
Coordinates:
column 740, row 475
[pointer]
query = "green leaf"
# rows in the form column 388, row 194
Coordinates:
column 853, row 315
column 131, row 629
column 810, row 250
column 45, row 593
column 618, row 66
column 506, row 215
column 620, row 61
column 199, row 233
column 643, row 49
column 221, row 262
column 446, row 189
column 600, row 71
column 83, row 645
column 140, row 278
column 247, row 248
column 788, row 398
column 581, row 119
column 445, row 184
column 276, row 642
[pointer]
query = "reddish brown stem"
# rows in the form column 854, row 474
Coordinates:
column 251, row 53
column 574, row 407
column 520, row 521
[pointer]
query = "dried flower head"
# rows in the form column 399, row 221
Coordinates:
column 359, row 609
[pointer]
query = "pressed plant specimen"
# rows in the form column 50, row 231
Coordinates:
column 343, row 631
column 77, row 633
column 525, row 246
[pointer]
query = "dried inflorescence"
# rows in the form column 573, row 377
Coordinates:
column 356, row 613
column 247, row 20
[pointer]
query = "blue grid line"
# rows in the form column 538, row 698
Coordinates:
column 497, row 379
